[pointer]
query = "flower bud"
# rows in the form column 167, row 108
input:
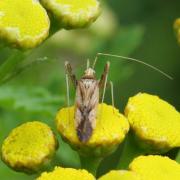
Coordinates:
column 110, row 130
column 73, row 14
column 23, row 24
column 29, row 146
column 155, row 167
column 155, row 122
column 120, row 175
column 177, row 29
column 66, row 174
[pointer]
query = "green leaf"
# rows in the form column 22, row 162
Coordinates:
column 130, row 151
column 126, row 41
column 29, row 99
column 11, row 63
column 8, row 174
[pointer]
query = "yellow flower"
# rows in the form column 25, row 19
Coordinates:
column 154, row 121
column 73, row 14
column 177, row 29
column 29, row 146
column 156, row 168
column 120, row 175
column 111, row 128
column 66, row 174
column 23, row 24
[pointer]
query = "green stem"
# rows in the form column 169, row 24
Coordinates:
column 91, row 164
column 55, row 26
column 130, row 151
column 11, row 63
column 178, row 157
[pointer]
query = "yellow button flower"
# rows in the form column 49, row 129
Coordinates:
column 154, row 121
column 66, row 174
column 23, row 24
column 177, row 29
column 156, row 168
column 111, row 128
column 73, row 14
column 29, row 146
column 120, row 175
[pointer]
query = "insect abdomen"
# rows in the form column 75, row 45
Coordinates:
column 84, row 129
column 87, row 98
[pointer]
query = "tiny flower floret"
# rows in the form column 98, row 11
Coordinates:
column 154, row 120
column 66, row 174
column 155, row 168
column 23, row 24
column 73, row 14
column 29, row 146
column 120, row 175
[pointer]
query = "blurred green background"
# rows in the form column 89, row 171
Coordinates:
column 141, row 29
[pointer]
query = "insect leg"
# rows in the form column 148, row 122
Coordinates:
column 67, row 90
column 112, row 94
column 103, row 80
column 70, row 74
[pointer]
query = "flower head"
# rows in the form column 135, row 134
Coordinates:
column 23, row 24
column 154, row 121
column 177, row 29
column 111, row 128
column 29, row 146
column 73, row 14
column 66, row 174
column 155, row 167
column 120, row 175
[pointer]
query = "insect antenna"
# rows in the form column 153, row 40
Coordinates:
column 67, row 86
column 95, row 60
column 135, row 60
column 112, row 94
column 88, row 64
column 104, row 88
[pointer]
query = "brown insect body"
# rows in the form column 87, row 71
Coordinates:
column 87, row 94
column 87, row 99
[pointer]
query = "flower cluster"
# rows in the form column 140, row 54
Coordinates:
column 152, row 120
column 25, row 24
column 154, row 123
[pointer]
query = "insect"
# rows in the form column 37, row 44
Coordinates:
column 87, row 98
column 88, row 94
